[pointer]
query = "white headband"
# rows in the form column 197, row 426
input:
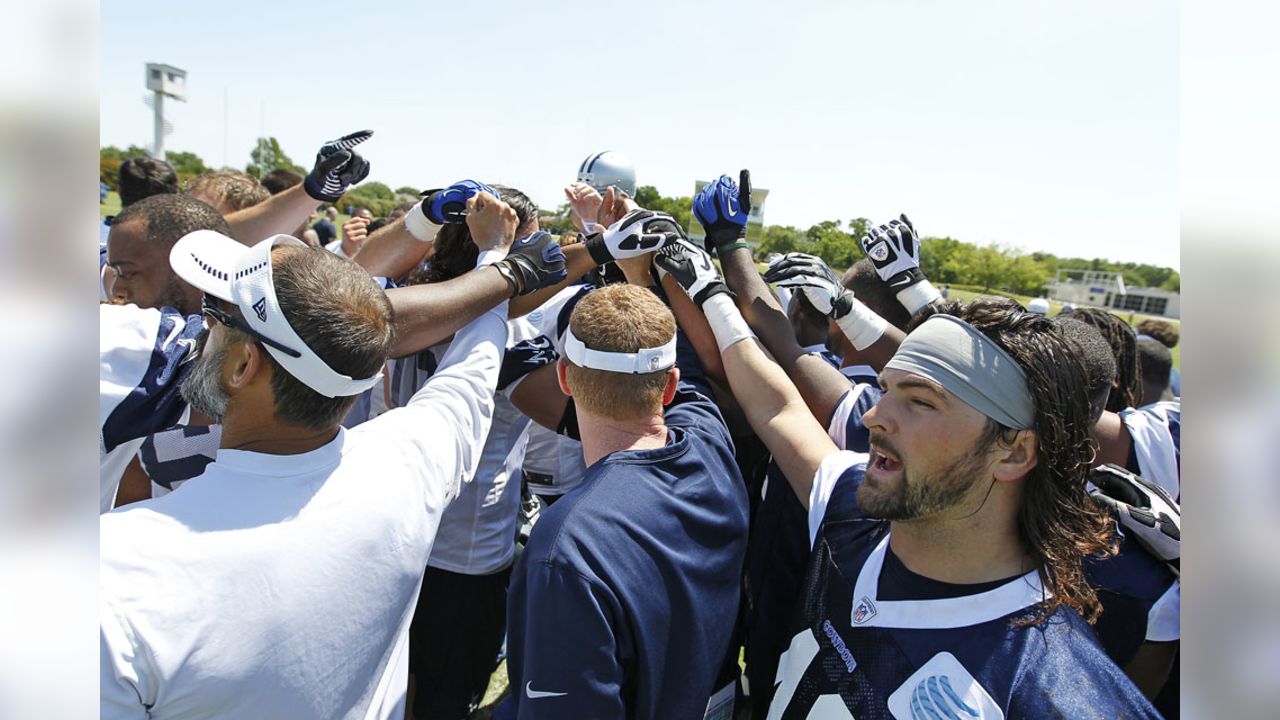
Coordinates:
column 645, row 360
column 225, row 268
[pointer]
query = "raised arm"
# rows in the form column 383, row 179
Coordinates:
column 773, row 406
column 722, row 208
column 427, row 314
column 337, row 168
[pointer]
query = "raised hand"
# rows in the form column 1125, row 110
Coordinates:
column 614, row 206
column 533, row 263
column 722, row 208
column 585, row 202
column 692, row 268
column 492, row 222
column 894, row 249
column 337, row 167
column 815, row 279
column 355, row 230
column 1144, row 509
column 637, row 233
column 449, row 205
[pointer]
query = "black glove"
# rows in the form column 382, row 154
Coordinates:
column 692, row 268
column 1144, row 509
column 722, row 209
column 534, row 262
column 337, row 168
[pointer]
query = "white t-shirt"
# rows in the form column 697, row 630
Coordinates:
column 282, row 586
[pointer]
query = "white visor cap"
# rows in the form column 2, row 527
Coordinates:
column 232, row 271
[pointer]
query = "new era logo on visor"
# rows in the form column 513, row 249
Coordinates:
column 260, row 309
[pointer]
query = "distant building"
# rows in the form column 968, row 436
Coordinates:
column 1097, row 288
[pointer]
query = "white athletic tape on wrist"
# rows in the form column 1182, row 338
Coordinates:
column 490, row 257
column 416, row 222
column 862, row 326
column 643, row 361
column 917, row 296
column 725, row 320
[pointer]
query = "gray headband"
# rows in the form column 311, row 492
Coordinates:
column 971, row 366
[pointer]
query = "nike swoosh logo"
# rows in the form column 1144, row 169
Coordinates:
column 729, row 206
column 535, row 694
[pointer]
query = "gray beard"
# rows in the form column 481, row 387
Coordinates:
column 203, row 389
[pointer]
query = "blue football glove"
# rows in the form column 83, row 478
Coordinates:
column 337, row 168
column 722, row 208
column 534, row 262
column 449, row 205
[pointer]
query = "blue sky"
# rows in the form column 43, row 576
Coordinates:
column 1042, row 125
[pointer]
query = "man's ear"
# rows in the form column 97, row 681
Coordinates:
column 562, row 377
column 673, row 381
column 1015, row 460
column 246, row 363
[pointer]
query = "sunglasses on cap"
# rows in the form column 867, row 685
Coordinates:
column 209, row 307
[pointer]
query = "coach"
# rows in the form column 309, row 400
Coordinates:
column 280, row 583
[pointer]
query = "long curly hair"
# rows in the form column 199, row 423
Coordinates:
column 1059, row 525
column 455, row 253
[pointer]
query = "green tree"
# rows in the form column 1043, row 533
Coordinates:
column 680, row 208
column 935, row 258
column 186, row 164
column 267, row 156
column 109, row 159
column 406, row 190
column 783, row 239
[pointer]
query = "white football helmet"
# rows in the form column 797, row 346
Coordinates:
column 1039, row 305
column 602, row 169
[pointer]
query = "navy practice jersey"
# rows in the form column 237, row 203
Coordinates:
column 867, row 644
column 624, row 602
column 779, row 550
column 1156, row 449
column 821, row 351
column 1137, row 593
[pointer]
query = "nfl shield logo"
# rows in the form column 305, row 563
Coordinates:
column 260, row 309
column 863, row 611
column 880, row 252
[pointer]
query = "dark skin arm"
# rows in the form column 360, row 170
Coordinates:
column 1113, row 440
column 539, row 396
column 425, row 315
column 135, row 484
column 1149, row 669
column 819, row 384
column 577, row 262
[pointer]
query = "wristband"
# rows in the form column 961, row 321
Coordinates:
column 416, row 222
column 725, row 320
column 721, row 250
column 862, row 326
column 490, row 257
column 915, row 297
